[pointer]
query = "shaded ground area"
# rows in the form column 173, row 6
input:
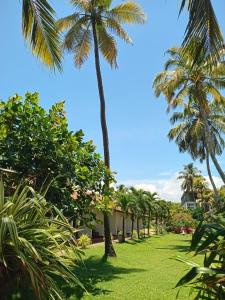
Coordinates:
column 143, row 270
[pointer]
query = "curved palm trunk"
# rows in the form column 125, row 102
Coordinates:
column 109, row 250
column 208, row 139
column 209, row 172
column 216, row 164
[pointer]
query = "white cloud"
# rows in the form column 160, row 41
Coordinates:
column 218, row 181
column 168, row 189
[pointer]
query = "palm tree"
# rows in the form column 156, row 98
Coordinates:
column 189, row 134
column 39, row 30
column 203, row 26
column 204, row 194
column 157, row 210
column 123, row 200
column 182, row 82
column 140, row 206
column 163, row 212
column 188, row 175
column 150, row 203
column 94, row 21
column 132, row 208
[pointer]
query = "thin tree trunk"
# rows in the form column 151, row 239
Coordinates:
column 209, row 172
column 157, row 224
column 149, row 220
column 138, row 229
column 109, row 250
column 143, row 221
column 132, row 227
column 123, row 237
column 162, row 224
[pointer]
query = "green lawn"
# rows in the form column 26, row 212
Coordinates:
column 143, row 270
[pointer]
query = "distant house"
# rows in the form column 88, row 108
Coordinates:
column 188, row 200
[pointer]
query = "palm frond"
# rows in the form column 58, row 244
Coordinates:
column 128, row 12
column 39, row 29
column 204, row 27
column 116, row 28
column 82, row 46
column 67, row 22
column 83, row 5
column 107, row 46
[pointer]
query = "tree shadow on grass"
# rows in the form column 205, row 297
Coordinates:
column 92, row 271
column 137, row 241
column 178, row 248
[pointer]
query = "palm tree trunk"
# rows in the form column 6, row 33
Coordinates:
column 109, row 250
column 157, row 223
column 132, row 227
column 149, row 220
column 123, row 237
column 143, row 221
column 208, row 138
column 138, row 229
column 216, row 164
column 209, row 172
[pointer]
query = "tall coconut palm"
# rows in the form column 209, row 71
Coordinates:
column 182, row 82
column 95, row 22
column 202, row 25
column 39, row 30
column 189, row 134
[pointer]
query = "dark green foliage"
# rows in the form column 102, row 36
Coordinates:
column 37, row 246
column 203, row 26
column 38, row 145
column 208, row 239
column 197, row 213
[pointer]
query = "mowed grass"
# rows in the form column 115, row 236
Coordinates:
column 143, row 270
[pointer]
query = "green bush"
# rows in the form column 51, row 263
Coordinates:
column 37, row 247
column 39, row 146
column 84, row 241
column 142, row 233
column 181, row 219
column 135, row 235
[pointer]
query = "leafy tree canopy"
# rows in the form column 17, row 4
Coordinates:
column 39, row 146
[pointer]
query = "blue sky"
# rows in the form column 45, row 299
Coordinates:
column 138, row 124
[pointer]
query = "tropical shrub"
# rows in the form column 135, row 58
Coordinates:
column 37, row 247
column 208, row 280
column 135, row 235
column 179, row 220
column 142, row 233
column 38, row 145
column 84, row 241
